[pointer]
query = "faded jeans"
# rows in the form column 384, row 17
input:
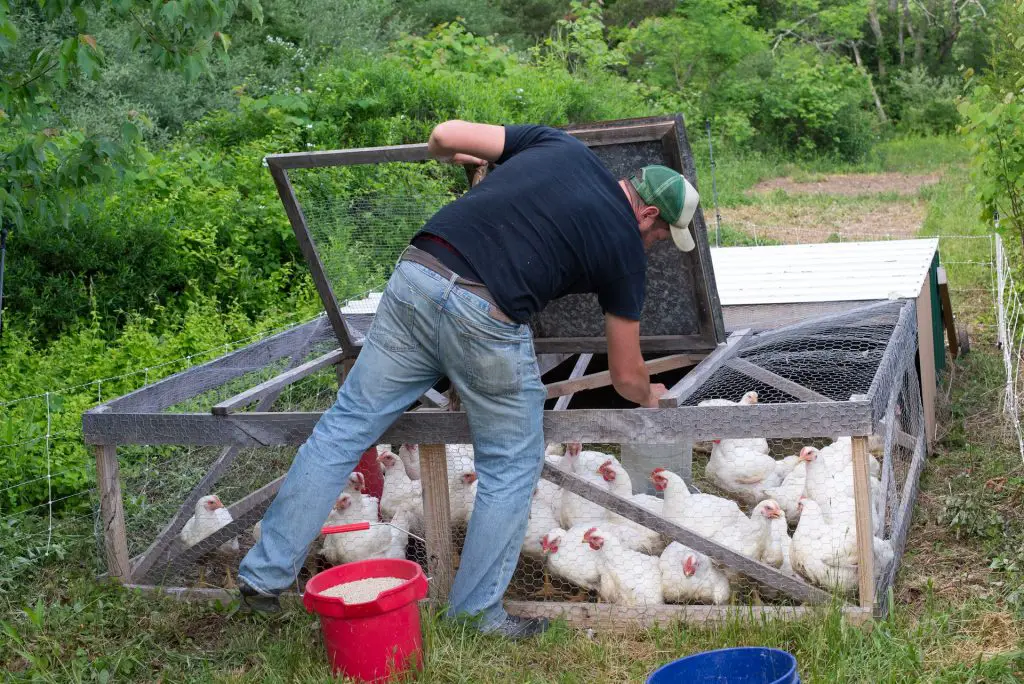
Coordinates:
column 426, row 327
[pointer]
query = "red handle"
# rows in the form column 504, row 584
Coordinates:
column 351, row 527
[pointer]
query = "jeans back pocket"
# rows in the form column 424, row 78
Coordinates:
column 493, row 363
column 393, row 323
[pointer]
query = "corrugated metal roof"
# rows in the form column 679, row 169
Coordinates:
column 830, row 272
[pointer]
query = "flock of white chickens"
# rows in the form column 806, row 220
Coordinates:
column 582, row 543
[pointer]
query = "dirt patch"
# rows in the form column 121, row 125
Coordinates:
column 797, row 223
column 853, row 184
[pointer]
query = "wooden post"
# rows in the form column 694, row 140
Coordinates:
column 437, row 528
column 115, row 539
column 342, row 370
column 865, row 530
column 947, row 314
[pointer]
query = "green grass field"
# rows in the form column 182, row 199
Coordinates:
column 957, row 619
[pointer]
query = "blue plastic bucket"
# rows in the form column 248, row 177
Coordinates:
column 745, row 665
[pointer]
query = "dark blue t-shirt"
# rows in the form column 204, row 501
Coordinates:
column 549, row 220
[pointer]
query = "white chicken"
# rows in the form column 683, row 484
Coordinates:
column 824, row 550
column 691, row 577
column 460, row 459
column 751, row 536
column 379, row 541
column 831, row 486
column 410, row 457
column 569, row 559
column 628, row 577
column 370, row 505
column 399, row 491
column 704, row 514
column 461, row 495
column 640, row 538
column 754, row 443
column 551, row 495
column 575, row 509
column 210, row 516
column 840, row 452
column 542, row 520
column 788, row 492
column 777, row 553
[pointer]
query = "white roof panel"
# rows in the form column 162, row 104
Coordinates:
column 828, row 272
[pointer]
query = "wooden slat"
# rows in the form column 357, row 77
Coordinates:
column 437, row 528
column 755, row 570
column 604, row 378
column 947, row 314
column 316, row 267
column 360, row 155
column 577, row 371
column 547, row 362
column 904, row 516
column 615, row 618
column 198, row 379
column 650, row 426
column 865, row 530
column 434, row 399
column 277, row 383
column 764, row 375
column 649, row 344
column 693, row 380
column 115, row 538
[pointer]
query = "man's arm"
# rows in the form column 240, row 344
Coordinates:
column 463, row 142
column 625, row 363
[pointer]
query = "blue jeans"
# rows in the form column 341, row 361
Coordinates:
column 426, row 327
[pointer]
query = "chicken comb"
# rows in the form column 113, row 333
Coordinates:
column 589, row 533
column 657, row 470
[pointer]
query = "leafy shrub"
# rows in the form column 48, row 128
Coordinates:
column 924, row 104
column 812, row 102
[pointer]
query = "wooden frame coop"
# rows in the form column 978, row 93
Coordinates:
column 879, row 396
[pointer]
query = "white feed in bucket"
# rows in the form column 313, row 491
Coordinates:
column 362, row 591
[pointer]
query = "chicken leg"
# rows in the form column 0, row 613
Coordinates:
column 547, row 590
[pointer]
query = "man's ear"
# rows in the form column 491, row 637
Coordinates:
column 649, row 212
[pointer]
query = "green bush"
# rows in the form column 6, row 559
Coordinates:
column 924, row 104
column 812, row 102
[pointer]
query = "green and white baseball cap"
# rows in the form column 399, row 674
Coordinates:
column 676, row 199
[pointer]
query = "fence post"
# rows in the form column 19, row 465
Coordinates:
column 865, row 529
column 115, row 539
column 437, row 528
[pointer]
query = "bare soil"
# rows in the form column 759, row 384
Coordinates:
column 853, row 185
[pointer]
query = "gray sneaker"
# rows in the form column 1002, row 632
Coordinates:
column 516, row 628
column 253, row 601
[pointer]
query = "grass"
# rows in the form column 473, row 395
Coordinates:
column 956, row 619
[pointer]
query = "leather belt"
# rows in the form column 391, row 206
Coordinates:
column 427, row 260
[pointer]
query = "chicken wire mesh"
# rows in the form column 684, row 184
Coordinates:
column 359, row 223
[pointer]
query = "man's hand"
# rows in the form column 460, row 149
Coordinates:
column 657, row 389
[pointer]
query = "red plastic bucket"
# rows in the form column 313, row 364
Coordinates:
column 377, row 640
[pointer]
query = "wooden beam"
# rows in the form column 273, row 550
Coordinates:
column 618, row 618
column 437, row 527
column 577, row 371
column 900, row 529
column 434, row 399
column 693, row 380
column 650, row 426
column 947, row 314
column 759, row 572
column 547, row 362
column 361, row 155
column 604, row 378
column 194, row 381
column 115, row 538
column 277, row 383
column 764, row 375
column 649, row 344
column 865, row 530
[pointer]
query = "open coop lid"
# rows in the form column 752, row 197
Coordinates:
column 341, row 221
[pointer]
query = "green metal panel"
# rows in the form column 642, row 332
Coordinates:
column 938, row 330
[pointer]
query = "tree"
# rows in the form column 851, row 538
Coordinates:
column 44, row 163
